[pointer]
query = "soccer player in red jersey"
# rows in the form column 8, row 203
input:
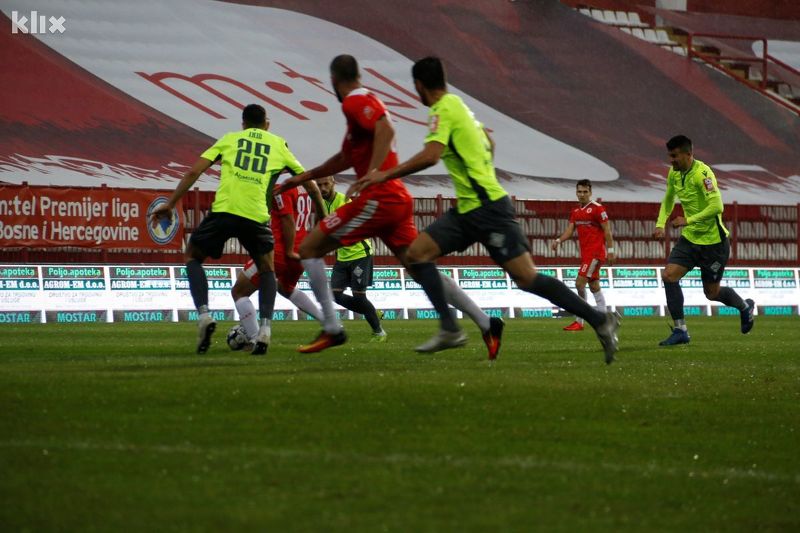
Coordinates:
column 384, row 211
column 596, row 242
column 292, row 216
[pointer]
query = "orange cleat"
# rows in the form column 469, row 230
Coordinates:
column 493, row 336
column 323, row 342
column 575, row 326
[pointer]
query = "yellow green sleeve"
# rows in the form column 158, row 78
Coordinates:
column 667, row 204
column 213, row 153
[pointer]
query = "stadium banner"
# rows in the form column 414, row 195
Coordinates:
column 160, row 293
column 42, row 217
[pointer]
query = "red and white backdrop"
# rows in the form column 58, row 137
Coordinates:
column 131, row 93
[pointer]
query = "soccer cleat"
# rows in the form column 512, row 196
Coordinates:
column 678, row 336
column 607, row 334
column 261, row 342
column 378, row 337
column 324, row 341
column 747, row 316
column 442, row 341
column 575, row 326
column 493, row 335
column 205, row 328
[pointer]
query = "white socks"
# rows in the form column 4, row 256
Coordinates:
column 315, row 268
column 600, row 301
column 458, row 298
column 247, row 316
column 305, row 304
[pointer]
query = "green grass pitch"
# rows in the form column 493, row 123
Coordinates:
column 119, row 427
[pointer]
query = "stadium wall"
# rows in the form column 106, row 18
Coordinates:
column 761, row 235
column 159, row 293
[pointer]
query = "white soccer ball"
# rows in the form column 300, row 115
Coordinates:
column 237, row 338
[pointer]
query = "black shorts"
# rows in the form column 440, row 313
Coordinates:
column 711, row 258
column 356, row 274
column 493, row 224
column 215, row 230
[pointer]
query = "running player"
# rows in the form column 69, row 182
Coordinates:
column 385, row 211
column 597, row 246
column 484, row 212
column 703, row 242
column 291, row 218
column 239, row 210
column 353, row 267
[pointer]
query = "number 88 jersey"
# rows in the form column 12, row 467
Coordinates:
column 295, row 202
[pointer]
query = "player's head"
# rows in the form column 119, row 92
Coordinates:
column 327, row 186
column 680, row 152
column 254, row 116
column 344, row 71
column 583, row 190
column 429, row 77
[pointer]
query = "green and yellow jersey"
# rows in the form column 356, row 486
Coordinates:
column 251, row 159
column 467, row 154
column 701, row 201
column 354, row 251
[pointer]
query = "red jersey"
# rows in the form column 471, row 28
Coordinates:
column 362, row 110
column 295, row 202
column 588, row 220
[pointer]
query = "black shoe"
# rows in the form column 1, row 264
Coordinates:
column 748, row 320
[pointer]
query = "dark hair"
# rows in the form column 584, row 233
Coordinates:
column 345, row 68
column 430, row 71
column 584, row 183
column 254, row 115
column 681, row 142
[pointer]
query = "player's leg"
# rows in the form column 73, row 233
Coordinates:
column 360, row 280
column 267, row 290
column 580, row 288
column 712, row 267
column 524, row 274
column 403, row 234
column 419, row 259
column 247, row 283
column 340, row 280
column 313, row 248
column 496, row 227
column 322, row 240
column 599, row 296
column 207, row 240
column 288, row 273
column 682, row 259
column 257, row 239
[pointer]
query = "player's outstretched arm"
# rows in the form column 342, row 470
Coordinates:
column 334, row 165
column 315, row 194
column 383, row 134
column 667, row 205
column 563, row 237
column 428, row 157
column 288, row 234
column 611, row 253
column 188, row 179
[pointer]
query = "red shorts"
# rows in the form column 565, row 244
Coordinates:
column 287, row 271
column 390, row 218
column 590, row 268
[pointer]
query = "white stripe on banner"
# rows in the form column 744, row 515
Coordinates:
column 370, row 206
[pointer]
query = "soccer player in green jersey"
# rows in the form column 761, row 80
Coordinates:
column 704, row 238
column 484, row 213
column 353, row 267
column 251, row 161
